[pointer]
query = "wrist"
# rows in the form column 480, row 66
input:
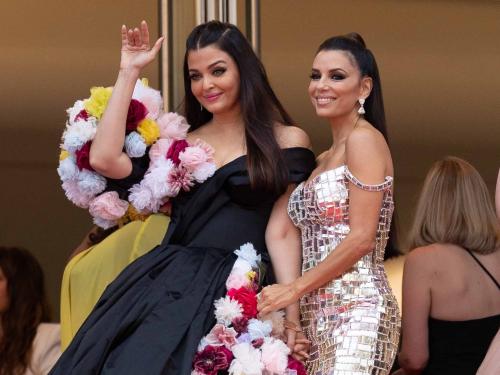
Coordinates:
column 298, row 288
column 129, row 73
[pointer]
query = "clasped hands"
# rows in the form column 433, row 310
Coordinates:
column 278, row 296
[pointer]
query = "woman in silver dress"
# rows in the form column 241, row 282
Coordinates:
column 344, row 213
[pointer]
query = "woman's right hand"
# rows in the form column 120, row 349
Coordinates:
column 136, row 52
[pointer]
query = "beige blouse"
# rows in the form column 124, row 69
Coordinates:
column 46, row 349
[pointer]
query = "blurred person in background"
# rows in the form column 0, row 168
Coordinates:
column 451, row 293
column 28, row 343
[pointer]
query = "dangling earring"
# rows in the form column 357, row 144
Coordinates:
column 201, row 107
column 361, row 109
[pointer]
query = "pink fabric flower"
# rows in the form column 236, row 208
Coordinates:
column 108, row 206
column 222, row 335
column 180, row 178
column 192, row 156
column 82, row 157
column 236, row 281
column 209, row 150
column 159, row 149
column 212, row 359
column 173, row 126
column 74, row 194
column 136, row 113
column 175, row 149
column 275, row 355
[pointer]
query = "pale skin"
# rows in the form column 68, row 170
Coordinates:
column 429, row 289
column 335, row 88
column 215, row 84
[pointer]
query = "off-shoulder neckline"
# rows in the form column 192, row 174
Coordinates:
column 241, row 157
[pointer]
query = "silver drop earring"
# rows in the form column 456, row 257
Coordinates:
column 201, row 107
column 361, row 109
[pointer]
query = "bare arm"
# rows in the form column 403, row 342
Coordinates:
column 366, row 158
column 416, row 309
column 106, row 153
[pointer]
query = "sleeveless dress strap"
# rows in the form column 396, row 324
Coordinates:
column 484, row 268
column 377, row 187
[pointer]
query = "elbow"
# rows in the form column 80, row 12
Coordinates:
column 413, row 364
column 363, row 244
column 102, row 164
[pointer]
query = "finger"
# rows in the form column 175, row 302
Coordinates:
column 130, row 37
column 302, row 341
column 145, row 33
column 290, row 338
column 303, row 354
column 124, row 35
column 157, row 45
column 137, row 37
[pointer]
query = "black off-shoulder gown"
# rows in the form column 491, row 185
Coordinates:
column 152, row 317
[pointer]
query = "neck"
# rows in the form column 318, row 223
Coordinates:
column 228, row 122
column 342, row 126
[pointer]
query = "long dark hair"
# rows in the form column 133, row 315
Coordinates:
column 364, row 59
column 355, row 46
column 27, row 308
column 260, row 107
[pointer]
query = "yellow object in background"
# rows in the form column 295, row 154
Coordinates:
column 88, row 274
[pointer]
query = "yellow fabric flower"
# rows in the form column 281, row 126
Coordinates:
column 96, row 104
column 149, row 130
column 251, row 275
column 131, row 215
column 63, row 155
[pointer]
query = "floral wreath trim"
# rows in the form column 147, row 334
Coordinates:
column 174, row 163
column 243, row 343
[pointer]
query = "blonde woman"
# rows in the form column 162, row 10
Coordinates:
column 451, row 295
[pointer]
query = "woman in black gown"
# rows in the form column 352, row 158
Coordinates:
column 152, row 317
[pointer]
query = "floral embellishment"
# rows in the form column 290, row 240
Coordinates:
column 255, row 343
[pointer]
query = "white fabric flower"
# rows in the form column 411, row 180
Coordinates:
column 75, row 110
column 241, row 267
column 142, row 199
column 90, row 182
column 76, row 135
column 274, row 355
column 248, row 253
column 259, row 329
column 226, row 310
column 247, row 360
column 156, row 179
column 135, row 146
column 204, row 171
column 68, row 170
column 103, row 223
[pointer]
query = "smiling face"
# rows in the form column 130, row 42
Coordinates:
column 215, row 79
column 336, row 84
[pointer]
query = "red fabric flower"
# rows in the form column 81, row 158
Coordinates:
column 240, row 325
column 175, row 149
column 82, row 157
column 248, row 300
column 136, row 113
column 82, row 115
column 293, row 364
column 212, row 359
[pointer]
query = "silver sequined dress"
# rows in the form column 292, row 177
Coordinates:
column 353, row 321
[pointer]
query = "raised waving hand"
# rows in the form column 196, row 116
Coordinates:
column 136, row 52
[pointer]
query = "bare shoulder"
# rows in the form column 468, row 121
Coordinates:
column 430, row 255
column 366, row 136
column 291, row 136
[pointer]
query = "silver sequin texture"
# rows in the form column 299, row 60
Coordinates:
column 353, row 321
